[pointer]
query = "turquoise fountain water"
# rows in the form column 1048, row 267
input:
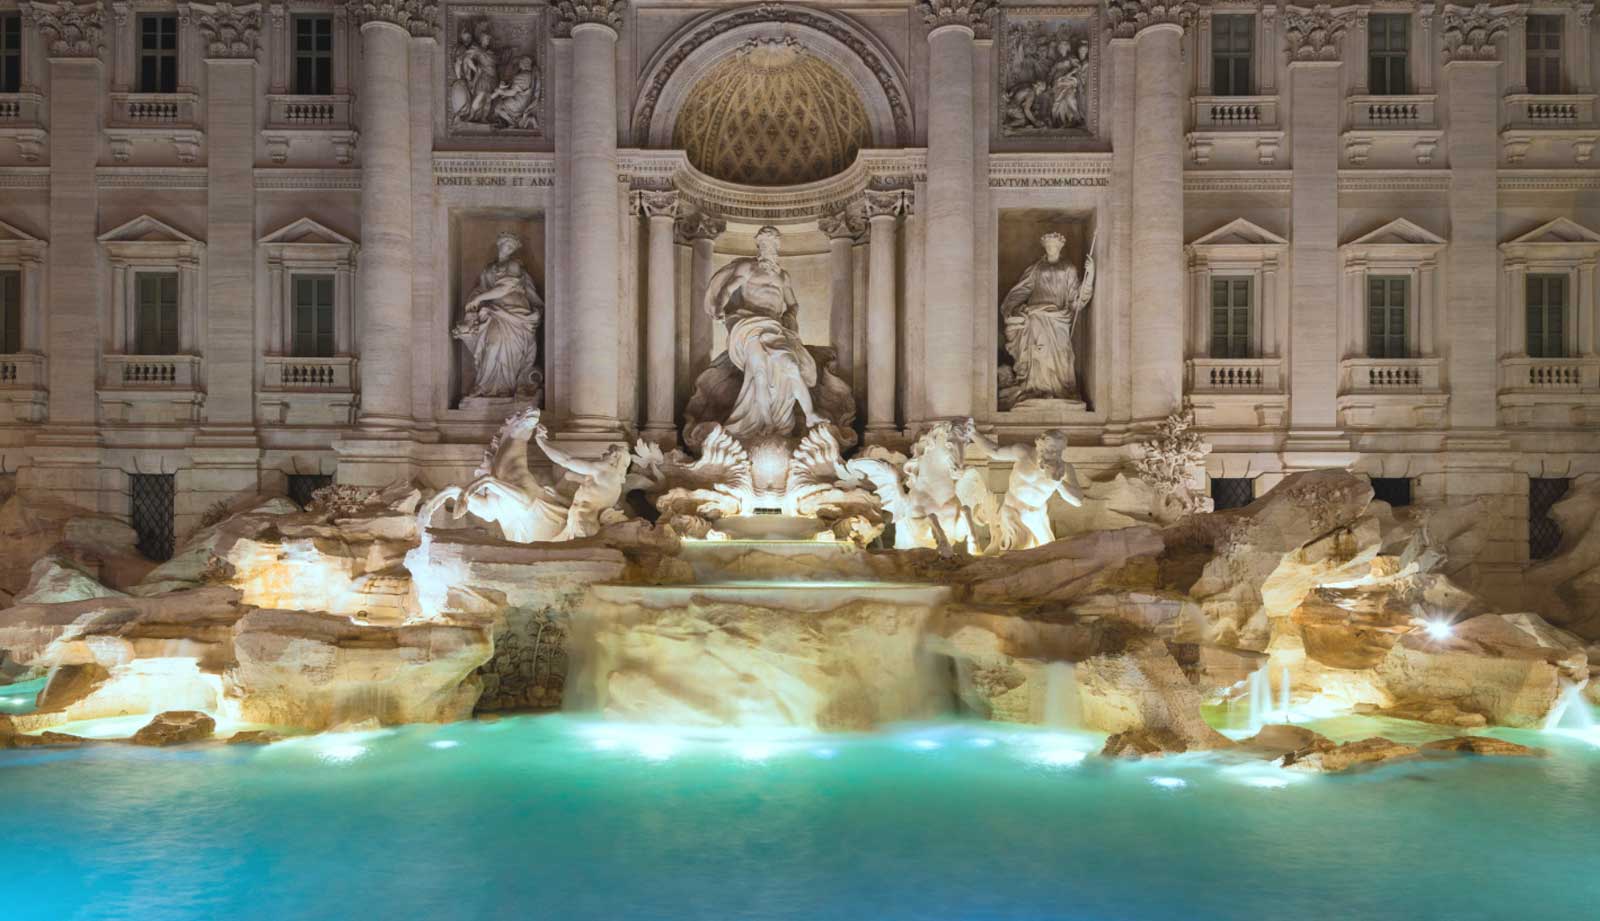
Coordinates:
column 554, row 817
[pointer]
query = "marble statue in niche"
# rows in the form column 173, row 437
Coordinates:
column 1040, row 315
column 1046, row 79
column 495, row 86
column 767, row 382
column 500, row 327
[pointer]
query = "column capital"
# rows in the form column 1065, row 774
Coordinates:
column 890, row 204
column 419, row 17
column 598, row 12
column 655, row 203
column 1130, row 17
column 842, row 224
column 1471, row 33
column 229, row 31
column 72, row 30
column 698, row 225
column 1315, row 33
column 973, row 14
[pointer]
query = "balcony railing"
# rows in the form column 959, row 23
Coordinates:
column 1529, row 112
column 1550, row 375
column 154, row 110
column 20, row 121
column 1380, row 113
column 1245, row 113
column 22, row 372
column 310, row 113
column 150, row 372
column 1390, row 375
column 334, row 375
column 1235, row 375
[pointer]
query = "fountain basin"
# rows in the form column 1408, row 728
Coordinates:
column 770, row 527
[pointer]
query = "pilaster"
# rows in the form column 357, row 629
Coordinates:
column 883, row 210
column 660, row 211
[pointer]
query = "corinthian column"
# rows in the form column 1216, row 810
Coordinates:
column 1313, row 37
column 660, row 209
column 842, row 229
column 384, row 278
column 1472, row 38
column 1157, row 237
column 951, row 200
column 883, row 210
column 596, row 224
column 700, row 231
column 230, row 37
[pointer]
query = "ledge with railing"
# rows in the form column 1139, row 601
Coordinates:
column 22, row 371
column 1391, row 375
column 154, row 110
column 325, row 375
column 1243, row 113
column 149, row 372
column 21, row 121
column 1399, row 113
column 1235, row 375
column 1550, row 375
column 308, row 113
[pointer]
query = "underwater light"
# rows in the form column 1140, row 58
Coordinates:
column 983, row 742
column 926, row 745
column 755, row 751
column 443, row 744
column 340, row 752
column 1169, row 783
column 824, row 753
column 1061, row 756
column 656, row 748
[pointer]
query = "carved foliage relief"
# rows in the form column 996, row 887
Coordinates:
column 1048, row 74
column 494, row 70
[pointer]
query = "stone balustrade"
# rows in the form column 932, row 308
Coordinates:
column 1390, row 375
column 1219, row 113
column 1391, row 112
column 1548, row 375
column 135, row 110
column 147, row 372
column 1525, row 111
column 289, row 112
column 1236, row 375
column 21, row 120
column 22, row 372
column 321, row 374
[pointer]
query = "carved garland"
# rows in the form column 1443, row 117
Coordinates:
column 419, row 17
column 774, row 12
column 1129, row 17
column 230, row 31
column 1470, row 33
column 73, row 29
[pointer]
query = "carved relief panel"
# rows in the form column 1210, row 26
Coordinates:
column 1049, row 72
column 494, row 70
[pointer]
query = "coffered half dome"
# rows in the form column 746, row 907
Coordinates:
column 772, row 114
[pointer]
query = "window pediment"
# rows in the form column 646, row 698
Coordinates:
column 1399, row 232
column 1238, row 242
column 306, row 243
column 1240, row 232
column 1560, row 239
column 18, row 246
column 307, row 231
column 148, row 240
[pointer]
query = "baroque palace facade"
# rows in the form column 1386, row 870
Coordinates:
column 252, row 247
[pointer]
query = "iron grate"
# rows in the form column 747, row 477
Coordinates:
column 303, row 485
column 1544, row 535
column 151, row 498
column 1232, row 492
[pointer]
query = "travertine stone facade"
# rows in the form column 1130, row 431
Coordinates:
column 1240, row 212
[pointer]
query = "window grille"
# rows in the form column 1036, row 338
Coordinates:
column 151, row 498
column 1544, row 535
column 1232, row 492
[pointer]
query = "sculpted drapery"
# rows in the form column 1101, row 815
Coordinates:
column 1040, row 314
column 501, row 326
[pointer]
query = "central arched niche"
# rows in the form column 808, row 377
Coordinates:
column 772, row 114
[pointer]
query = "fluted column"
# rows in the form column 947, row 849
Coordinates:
column 384, row 278
column 1120, row 277
column 843, row 230
column 951, row 201
column 701, row 230
column 596, row 228
column 1157, row 233
column 1471, row 76
column 660, row 210
column 883, row 211
column 229, row 35
column 1313, row 37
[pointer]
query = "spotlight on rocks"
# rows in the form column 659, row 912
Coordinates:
column 1439, row 629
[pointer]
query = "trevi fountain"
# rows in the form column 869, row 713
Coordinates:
column 1071, row 570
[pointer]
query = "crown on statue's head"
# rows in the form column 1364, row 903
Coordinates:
column 1053, row 237
column 506, row 236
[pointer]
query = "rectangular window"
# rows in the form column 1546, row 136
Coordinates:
column 313, row 316
column 1232, row 492
column 1232, row 55
column 1395, row 490
column 158, row 53
column 151, row 499
column 10, row 52
column 1547, row 316
column 1544, row 55
column 1544, row 534
column 1387, row 316
column 313, row 55
column 1388, row 52
column 156, row 314
column 1230, row 318
column 10, row 311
